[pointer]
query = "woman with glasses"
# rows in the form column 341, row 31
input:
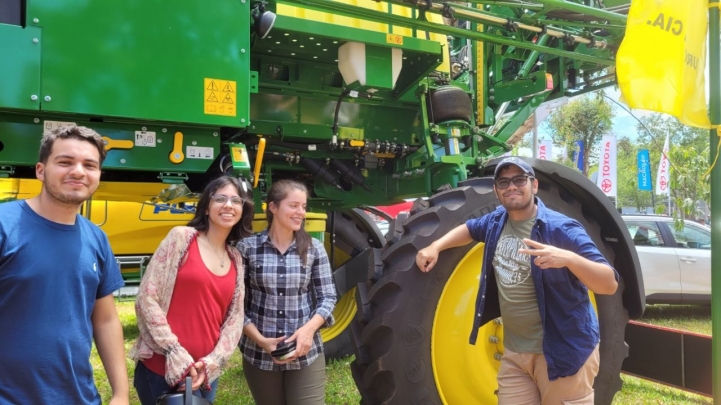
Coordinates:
column 190, row 302
column 289, row 295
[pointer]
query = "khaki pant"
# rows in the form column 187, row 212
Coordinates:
column 523, row 380
column 292, row 387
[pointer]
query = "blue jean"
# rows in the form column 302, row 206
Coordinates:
column 150, row 386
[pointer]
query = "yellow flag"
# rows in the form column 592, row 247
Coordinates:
column 660, row 64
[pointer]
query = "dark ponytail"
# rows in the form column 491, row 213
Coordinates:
column 277, row 193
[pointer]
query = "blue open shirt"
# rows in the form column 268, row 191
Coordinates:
column 570, row 326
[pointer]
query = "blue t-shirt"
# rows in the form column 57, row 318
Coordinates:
column 50, row 277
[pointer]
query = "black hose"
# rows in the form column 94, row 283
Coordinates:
column 349, row 173
column 343, row 95
column 321, row 171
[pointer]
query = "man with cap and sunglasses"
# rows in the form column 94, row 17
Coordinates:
column 538, row 267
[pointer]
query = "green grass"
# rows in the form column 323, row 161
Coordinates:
column 693, row 318
column 340, row 388
column 637, row 391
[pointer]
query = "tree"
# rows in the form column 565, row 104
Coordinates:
column 689, row 180
column 586, row 118
column 688, row 155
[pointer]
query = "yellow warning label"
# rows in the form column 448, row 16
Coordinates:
column 220, row 97
column 239, row 154
column 394, row 39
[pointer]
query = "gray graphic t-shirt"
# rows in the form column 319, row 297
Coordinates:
column 523, row 332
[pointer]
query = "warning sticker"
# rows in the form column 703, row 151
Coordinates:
column 239, row 154
column 53, row 125
column 394, row 39
column 219, row 97
column 145, row 138
column 199, row 152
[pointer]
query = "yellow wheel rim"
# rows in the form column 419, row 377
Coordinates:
column 345, row 308
column 344, row 312
column 465, row 374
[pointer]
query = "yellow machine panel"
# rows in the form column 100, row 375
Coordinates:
column 298, row 12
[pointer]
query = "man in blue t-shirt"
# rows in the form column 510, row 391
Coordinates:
column 538, row 267
column 57, row 276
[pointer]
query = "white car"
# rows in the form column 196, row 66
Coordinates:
column 676, row 264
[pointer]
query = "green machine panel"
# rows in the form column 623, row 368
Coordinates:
column 152, row 60
column 20, row 67
column 155, row 148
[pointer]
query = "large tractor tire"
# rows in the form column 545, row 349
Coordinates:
column 355, row 232
column 411, row 332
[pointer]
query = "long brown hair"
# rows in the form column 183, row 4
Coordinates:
column 243, row 228
column 278, row 192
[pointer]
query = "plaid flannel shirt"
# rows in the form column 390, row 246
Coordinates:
column 281, row 295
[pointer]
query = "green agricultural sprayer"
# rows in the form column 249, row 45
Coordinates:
column 368, row 103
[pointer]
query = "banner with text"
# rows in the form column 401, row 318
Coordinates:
column 660, row 64
column 544, row 149
column 607, row 166
column 644, row 170
column 578, row 155
column 663, row 176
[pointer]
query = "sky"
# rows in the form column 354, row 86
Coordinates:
column 624, row 124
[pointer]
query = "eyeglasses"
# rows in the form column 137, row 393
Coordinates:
column 222, row 199
column 519, row 181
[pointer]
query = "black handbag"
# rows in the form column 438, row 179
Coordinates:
column 183, row 398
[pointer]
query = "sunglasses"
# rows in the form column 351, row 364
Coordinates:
column 502, row 183
column 222, row 199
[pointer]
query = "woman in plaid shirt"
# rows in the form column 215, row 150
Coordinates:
column 289, row 296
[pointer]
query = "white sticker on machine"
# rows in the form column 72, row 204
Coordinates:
column 199, row 152
column 53, row 125
column 145, row 138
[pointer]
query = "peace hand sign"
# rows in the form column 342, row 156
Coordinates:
column 547, row 256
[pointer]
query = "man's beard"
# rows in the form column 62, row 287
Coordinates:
column 518, row 205
column 69, row 198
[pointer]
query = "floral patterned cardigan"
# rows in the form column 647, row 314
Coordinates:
column 153, row 301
